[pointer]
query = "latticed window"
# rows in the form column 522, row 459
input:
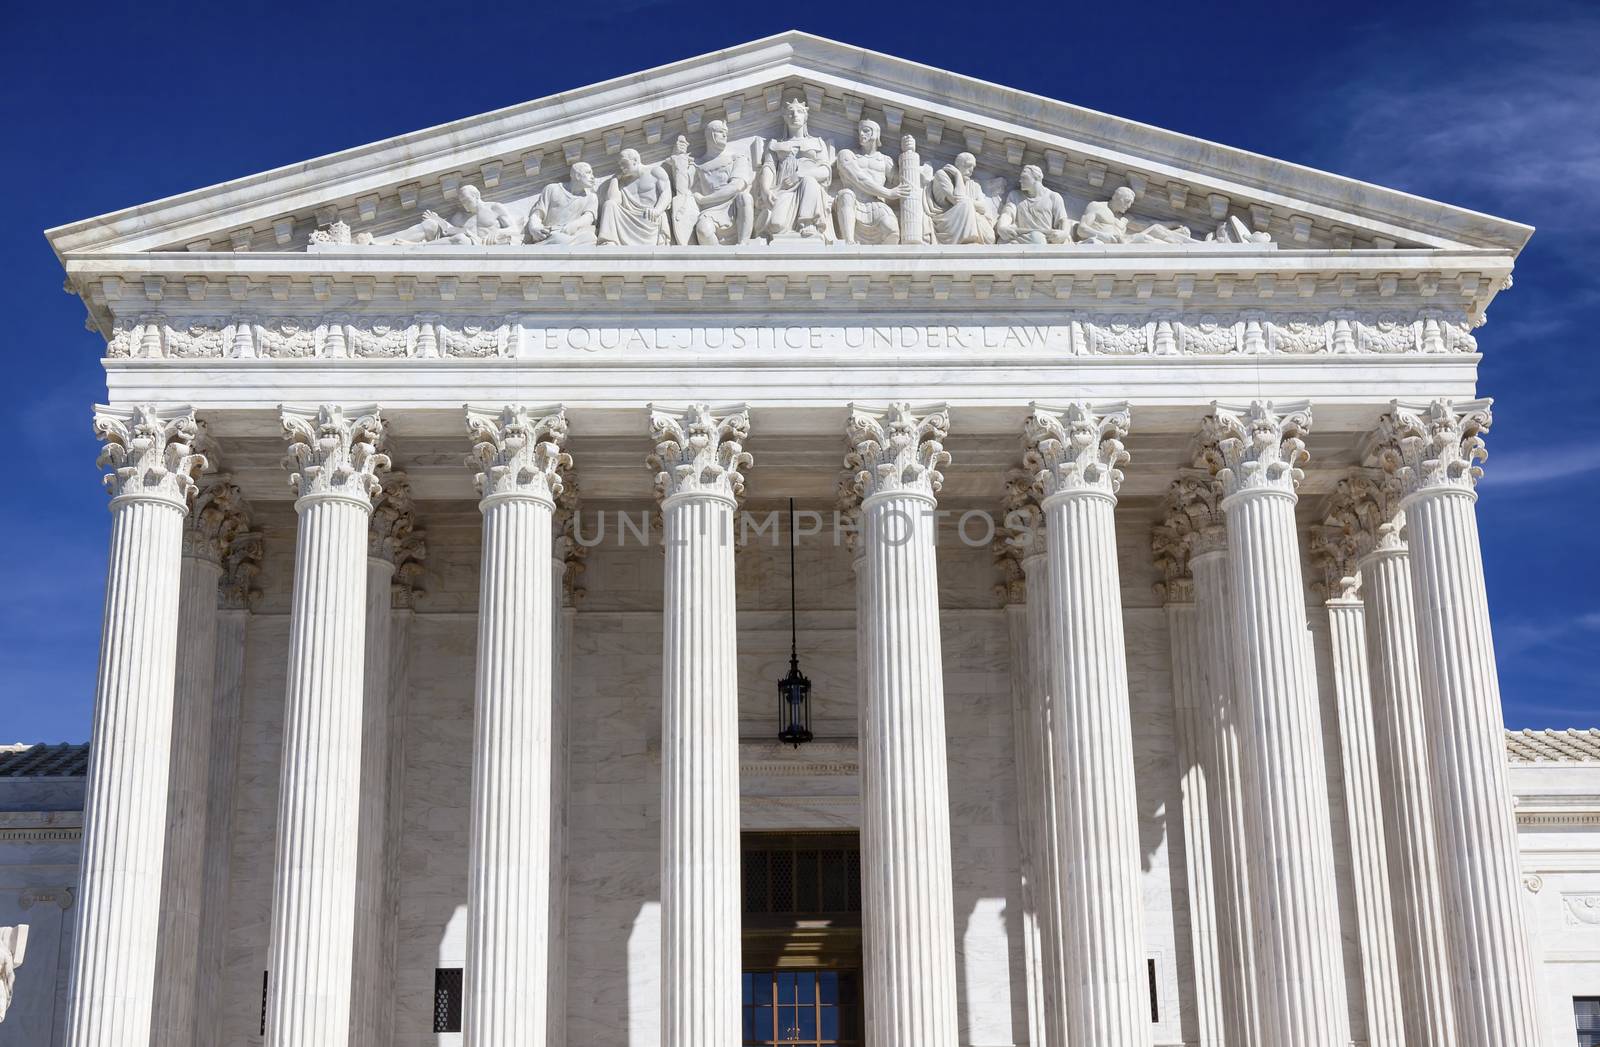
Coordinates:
column 800, row 875
column 447, row 999
column 1587, row 1011
column 804, row 1008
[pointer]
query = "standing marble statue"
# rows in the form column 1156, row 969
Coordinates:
column 792, row 188
column 566, row 214
column 870, row 183
column 959, row 208
column 478, row 221
column 1033, row 213
column 684, row 211
column 634, row 211
column 1106, row 222
column 13, row 947
column 720, row 190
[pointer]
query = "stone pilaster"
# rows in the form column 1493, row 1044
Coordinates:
column 1257, row 451
column 392, row 540
column 1334, row 548
column 698, row 462
column 153, row 465
column 1076, row 453
column 1421, row 940
column 1205, row 537
column 334, row 461
column 214, row 518
column 896, row 454
column 518, row 457
column 1194, row 717
column 1434, row 450
column 241, row 563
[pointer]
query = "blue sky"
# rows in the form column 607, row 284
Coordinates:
column 1459, row 101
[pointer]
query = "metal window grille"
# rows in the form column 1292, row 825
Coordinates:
column 1586, row 1012
column 782, row 877
column 263, row 1003
column 447, row 999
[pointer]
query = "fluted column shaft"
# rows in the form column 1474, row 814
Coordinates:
column 700, row 899
column 1045, row 786
column 1029, row 863
column 1434, row 450
column 1380, row 976
column 1421, row 941
column 314, row 888
column 1198, row 784
column 1493, row 976
column 1231, row 811
column 177, row 958
column 905, row 839
column 369, row 1002
column 125, row 797
column 560, row 739
column 233, row 624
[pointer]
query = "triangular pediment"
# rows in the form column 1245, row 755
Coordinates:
column 383, row 189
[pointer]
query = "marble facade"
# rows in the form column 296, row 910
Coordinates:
column 1096, row 768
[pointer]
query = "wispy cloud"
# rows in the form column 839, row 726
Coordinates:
column 1524, row 468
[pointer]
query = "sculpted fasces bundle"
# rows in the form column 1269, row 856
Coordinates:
column 796, row 187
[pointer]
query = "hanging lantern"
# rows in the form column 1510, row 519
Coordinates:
column 794, row 690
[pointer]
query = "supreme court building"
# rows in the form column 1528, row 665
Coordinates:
column 1152, row 696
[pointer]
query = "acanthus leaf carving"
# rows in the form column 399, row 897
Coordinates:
column 897, row 449
column 699, row 450
column 241, row 565
column 151, row 453
column 1258, row 447
column 335, row 453
column 1077, row 447
column 1434, row 446
column 517, row 451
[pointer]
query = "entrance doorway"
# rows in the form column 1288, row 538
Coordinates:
column 802, row 939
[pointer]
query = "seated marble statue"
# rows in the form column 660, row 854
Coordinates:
column 566, row 214
column 477, row 222
column 1033, row 214
column 863, row 210
column 719, row 188
column 962, row 212
column 1105, row 222
column 1233, row 230
column 634, row 210
column 792, row 186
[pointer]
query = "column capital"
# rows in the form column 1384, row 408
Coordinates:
column 897, row 449
column 1367, row 504
column 565, row 546
column 151, row 452
column 1019, row 537
column 1194, row 511
column 1335, row 548
column 1258, row 447
column 241, row 564
column 392, row 537
column 333, row 454
column 517, row 451
column 1076, row 448
column 218, row 514
column 847, row 512
column 699, row 450
column 1434, row 447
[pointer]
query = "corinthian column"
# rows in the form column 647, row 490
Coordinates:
column 698, row 460
column 1257, row 452
column 213, row 520
column 1434, row 449
column 333, row 460
column 1421, row 941
column 1075, row 452
column 1196, row 768
column 905, row 801
column 1197, row 518
column 1335, row 547
column 392, row 541
column 517, row 452
column 125, row 796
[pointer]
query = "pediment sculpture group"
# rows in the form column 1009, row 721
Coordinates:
column 798, row 187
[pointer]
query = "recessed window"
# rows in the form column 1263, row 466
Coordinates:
column 1587, row 1011
column 1155, row 997
column 802, row 1008
column 447, row 999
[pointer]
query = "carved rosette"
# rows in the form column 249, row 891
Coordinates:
column 1436, row 446
column 1076, row 449
column 152, row 454
column 566, row 546
column 241, row 565
column 218, row 514
column 897, row 449
column 1019, row 537
column 517, row 451
column 333, row 455
column 699, row 453
column 1256, row 448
